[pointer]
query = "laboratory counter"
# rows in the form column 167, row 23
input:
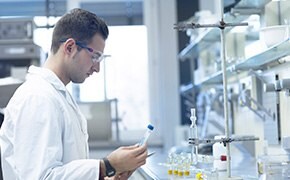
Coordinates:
column 243, row 166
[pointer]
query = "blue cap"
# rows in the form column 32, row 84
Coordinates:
column 150, row 127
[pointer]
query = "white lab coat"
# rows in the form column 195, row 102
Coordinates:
column 44, row 135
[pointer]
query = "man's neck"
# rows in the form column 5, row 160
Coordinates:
column 55, row 64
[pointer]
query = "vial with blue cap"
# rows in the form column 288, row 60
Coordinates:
column 146, row 135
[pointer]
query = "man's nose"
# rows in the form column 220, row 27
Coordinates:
column 96, row 67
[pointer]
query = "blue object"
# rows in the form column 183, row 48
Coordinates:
column 146, row 135
column 150, row 127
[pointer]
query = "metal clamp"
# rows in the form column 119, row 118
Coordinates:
column 184, row 25
column 195, row 142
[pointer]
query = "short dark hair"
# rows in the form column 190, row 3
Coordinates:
column 80, row 25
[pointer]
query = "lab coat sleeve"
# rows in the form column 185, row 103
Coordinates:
column 38, row 143
column 78, row 169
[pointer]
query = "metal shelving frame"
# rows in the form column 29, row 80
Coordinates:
column 255, row 62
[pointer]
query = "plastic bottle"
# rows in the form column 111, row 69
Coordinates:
column 210, row 159
column 146, row 135
column 219, row 150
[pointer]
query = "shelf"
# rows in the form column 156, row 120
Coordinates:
column 270, row 55
column 259, row 61
column 201, row 42
column 215, row 78
column 207, row 38
column 242, row 11
column 244, row 8
column 252, row 4
column 185, row 89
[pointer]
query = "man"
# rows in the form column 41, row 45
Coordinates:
column 44, row 134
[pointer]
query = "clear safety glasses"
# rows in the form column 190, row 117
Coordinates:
column 97, row 56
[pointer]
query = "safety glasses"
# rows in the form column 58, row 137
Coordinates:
column 97, row 56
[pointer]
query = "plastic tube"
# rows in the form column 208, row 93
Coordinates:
column 146, row 135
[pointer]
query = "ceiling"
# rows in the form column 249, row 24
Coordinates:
column 115, row 12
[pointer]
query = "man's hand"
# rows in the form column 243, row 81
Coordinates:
column 127, row 159
column 121, row 176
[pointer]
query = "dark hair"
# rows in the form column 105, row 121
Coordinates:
column 80, row 25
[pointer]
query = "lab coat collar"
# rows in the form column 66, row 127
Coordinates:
column 51, row 77
column 48, row 75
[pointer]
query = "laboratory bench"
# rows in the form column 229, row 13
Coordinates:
column 243, row 165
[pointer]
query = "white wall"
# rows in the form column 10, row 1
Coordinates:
column 160, row 17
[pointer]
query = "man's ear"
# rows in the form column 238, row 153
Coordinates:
column 69, row 45
column 68, row 48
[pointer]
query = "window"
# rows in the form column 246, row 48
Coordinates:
column 124, row 75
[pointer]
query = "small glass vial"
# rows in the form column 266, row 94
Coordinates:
column 170, row 163
column 194, row 136
column 176, row 164
column 187, row 163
